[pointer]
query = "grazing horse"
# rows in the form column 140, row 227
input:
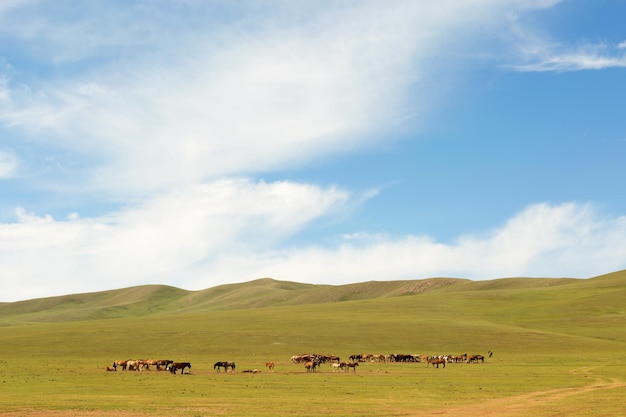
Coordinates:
column 162, row 364
column 270, row 366
column 436, row 361
column 133, row 365
column 180, row 365
column 352, row 365
column 475, row 358
column 219, row 365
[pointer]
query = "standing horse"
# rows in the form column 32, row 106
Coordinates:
column 230, row 365
column 121, row 363
column 352, row 365
column 219, row 365
column 436, row 361
column 180, row 365
column 270, row 366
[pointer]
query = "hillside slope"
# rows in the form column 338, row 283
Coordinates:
column 153, row 300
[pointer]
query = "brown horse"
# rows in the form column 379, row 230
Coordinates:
column 436, row 361
column 270, row 366
column 180, row 365
column 162, row 364
column 352, row 365
column 475, row 358
column 121, row 363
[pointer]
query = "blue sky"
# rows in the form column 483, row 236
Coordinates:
column 197, row 143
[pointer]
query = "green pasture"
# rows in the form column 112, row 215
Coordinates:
column 558, row 350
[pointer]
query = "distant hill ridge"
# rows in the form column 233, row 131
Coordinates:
column 151, row 300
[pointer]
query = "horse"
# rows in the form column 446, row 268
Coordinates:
column 219, row 365
column 230, row 365
column 133, row 365
column 162, row 364
column 180, row 365
column 110, row 369
column 121, row 363
column 461, row 358
column 270, row 366
column 352, row 365
column 475, row 358
column 436, row 361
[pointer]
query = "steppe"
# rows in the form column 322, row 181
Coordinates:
column 559, row 348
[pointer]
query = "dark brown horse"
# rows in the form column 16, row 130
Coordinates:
column 352, row 365
column 179, row 365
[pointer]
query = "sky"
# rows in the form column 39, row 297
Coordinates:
column 199, row 143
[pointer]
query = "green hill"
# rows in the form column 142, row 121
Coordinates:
column 544, row 295
column 159, row 299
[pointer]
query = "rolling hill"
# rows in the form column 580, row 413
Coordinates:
column 150, row 300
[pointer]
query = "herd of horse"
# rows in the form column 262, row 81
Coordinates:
column 144, row 364
column 311, row 362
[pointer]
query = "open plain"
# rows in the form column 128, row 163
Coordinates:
column 558, row 349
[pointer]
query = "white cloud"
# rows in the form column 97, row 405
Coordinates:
column 155, row 240
column 542, row 241
column 233, row 230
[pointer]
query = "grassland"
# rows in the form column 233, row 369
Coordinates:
column 558, row 349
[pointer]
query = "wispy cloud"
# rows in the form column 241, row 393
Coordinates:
column 543, row 56
column 177, row 98
column 8, row 164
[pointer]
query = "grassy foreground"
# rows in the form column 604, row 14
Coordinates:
column 558, row 350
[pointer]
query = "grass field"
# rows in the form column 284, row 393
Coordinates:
column 558, row 350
